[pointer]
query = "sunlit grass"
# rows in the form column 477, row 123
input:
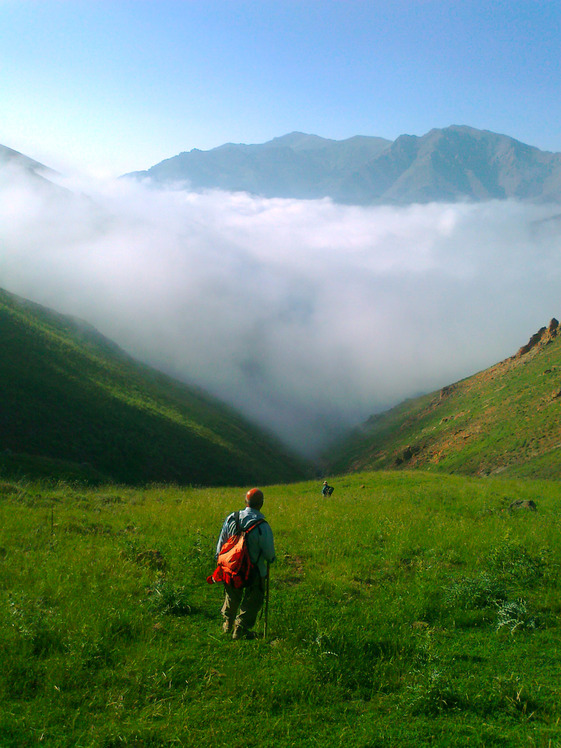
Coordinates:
column 408, row 609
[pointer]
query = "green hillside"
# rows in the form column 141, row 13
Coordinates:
column 506, row 419
column 73, row 405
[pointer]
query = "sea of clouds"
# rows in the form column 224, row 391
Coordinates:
column 307, row 316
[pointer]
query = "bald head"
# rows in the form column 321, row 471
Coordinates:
column 254, row 498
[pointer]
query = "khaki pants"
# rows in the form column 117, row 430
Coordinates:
column 241, row 606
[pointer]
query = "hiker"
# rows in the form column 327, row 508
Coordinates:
column 241, row 605
column 327, row 490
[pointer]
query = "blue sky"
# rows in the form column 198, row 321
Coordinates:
column 109, row 87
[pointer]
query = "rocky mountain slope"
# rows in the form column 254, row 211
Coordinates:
column 506, row 419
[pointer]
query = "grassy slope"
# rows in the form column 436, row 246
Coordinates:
column 409, row 610
column 505, row 419
column 68, row 394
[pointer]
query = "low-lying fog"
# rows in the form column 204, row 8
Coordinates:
column 305, row 315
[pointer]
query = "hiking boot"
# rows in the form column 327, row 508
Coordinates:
column 241, row 633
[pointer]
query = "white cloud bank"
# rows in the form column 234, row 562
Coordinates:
column 305, row 315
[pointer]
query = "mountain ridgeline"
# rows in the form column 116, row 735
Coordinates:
column 73, row 405
column 9, row 157
column 445, row 165
column 504, row 420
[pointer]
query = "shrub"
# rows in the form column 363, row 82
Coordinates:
column 434, row 694
column 170, row 599
column 469, row 593
column 514, row 561
column 514, row 615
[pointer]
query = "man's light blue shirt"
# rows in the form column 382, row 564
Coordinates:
column 260, row 542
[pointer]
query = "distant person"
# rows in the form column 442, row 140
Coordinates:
column 327, row 490
column 241, row 605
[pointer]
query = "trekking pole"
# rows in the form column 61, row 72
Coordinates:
column 267, row 601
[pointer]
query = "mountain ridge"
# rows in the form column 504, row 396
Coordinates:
column 10, row 156
column 451, row 164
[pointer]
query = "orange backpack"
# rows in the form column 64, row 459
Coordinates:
column 234, row 564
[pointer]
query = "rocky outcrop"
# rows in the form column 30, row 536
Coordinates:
column 407, row 454
column 543, row 336
column 445, row 391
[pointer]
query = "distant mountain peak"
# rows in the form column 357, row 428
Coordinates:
column 299, row 140
column 455, row 163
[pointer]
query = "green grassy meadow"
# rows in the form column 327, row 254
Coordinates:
column 409, row 609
